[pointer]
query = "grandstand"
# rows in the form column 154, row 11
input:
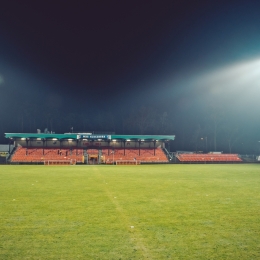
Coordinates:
column 87, row 148
column 207, row 158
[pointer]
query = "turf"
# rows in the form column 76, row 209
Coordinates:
column 130, row 212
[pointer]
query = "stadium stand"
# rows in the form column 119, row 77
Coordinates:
column 33, row 155
column 142, row 155
column 208, row 158
column 88, row 148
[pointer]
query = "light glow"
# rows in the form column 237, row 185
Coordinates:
column 238, row 76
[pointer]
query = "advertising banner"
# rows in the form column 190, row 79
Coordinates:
column 106, row 137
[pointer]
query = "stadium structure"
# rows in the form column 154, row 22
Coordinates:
column 88, row 148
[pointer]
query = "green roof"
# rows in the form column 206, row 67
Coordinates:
column 42, row 136
column 144, row 137
column 76, row 136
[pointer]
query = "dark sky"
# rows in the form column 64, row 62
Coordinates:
column 99, row 55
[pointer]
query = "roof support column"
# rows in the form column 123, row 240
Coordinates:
column 26, row 145
column 44, row 143
column 154, row 142
column 139, row 141
column 9, row 146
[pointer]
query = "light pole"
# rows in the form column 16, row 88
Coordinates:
column 206, row 143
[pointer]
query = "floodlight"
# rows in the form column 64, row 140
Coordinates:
column 237, row 76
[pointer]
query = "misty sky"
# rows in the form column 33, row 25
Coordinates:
column 97, row 55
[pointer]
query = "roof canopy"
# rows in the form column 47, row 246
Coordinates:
column 75, row 136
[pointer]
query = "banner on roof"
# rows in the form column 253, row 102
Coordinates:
column 107, row 137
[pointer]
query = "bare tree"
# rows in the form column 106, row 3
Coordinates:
column 232, row 133
column 144, row 118
column 196, row 136
column 216, row 120
column 164, row 122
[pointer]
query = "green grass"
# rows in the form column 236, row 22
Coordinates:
column 86, row 212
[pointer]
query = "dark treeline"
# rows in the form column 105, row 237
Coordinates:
column 209, row 130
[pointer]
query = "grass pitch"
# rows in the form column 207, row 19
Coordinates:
column 130, row 212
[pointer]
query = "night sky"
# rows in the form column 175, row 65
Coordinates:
column 191, row 61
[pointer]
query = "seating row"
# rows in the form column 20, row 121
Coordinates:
column 133, row 154
column 23, row 154
column 209, row 158
column 40, row 155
